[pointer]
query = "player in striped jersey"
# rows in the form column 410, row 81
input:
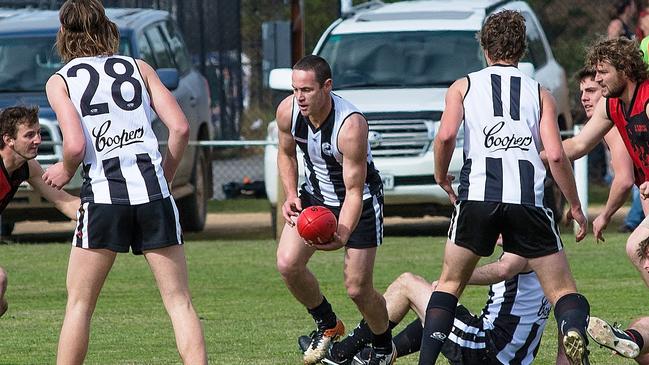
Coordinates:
column 508, row 119
column 340, row 175
column 105, row 104
column 508, row 331
column 20, row 137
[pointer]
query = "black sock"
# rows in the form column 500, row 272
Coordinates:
column 408, row 341
column 360, row 337
column 323, row 315
column 382, row 343
column 440, row 313
column 636, row 336
column 571, row 312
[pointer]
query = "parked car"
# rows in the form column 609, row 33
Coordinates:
column 395, row 62
column 28, row 58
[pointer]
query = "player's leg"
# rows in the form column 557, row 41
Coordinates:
column 641, row 336
column 359, row 270
column 640, row 234
column 87, row 271
column 292, row 258
column 169, row 268
column 3, row 289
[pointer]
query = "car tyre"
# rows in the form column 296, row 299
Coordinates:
column 193, row 208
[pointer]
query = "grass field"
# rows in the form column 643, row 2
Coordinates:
column 248, row 315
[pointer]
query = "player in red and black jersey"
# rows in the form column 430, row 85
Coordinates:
column 21, row 136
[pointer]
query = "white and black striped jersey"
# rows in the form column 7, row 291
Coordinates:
column 515, row 316
column 502, row 142
column 122, row 164
column 322, row 158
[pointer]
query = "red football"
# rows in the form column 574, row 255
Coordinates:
column 317, row 224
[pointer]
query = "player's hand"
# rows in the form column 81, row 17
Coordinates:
column 335, row 244
column 448, row 188
column 644, row 190
column 57, row 176
column 576, row 213
column 291, row 210
column 599, row 225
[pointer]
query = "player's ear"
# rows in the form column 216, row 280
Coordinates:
column 8, row 141
column 328, row 85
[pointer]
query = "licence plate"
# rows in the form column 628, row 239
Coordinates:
column 388, row 182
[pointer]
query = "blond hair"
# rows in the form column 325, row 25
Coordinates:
column 85, row 31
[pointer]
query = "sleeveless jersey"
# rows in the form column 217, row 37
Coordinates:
column 9, row 183
column 633, row 125
column 501, row 138
column 122, row 164
column 322, row 159
column 515, row 315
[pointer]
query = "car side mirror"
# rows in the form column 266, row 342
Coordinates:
column 169, row 77
column 527, row 68
column 280, row 79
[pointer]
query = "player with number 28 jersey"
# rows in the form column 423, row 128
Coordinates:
column 122, row 164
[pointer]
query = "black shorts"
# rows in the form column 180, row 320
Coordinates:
column 527, row 231
column 369, row 230
column 119, row 227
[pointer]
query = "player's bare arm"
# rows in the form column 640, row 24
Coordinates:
column 352, row 143
column 592, row 133
column 445, row 139
column 620, row 186
column 558, row 161
column 169, row 112
column 505, row 268
column 287, row 161
column 74, row 142
column 63, row 201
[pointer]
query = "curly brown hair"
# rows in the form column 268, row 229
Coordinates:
column 85, row 30
column 621, row 53
column 12, row 117
column 503, row 36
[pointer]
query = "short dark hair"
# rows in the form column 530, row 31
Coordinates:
column 618, row 8
column 503, row 36
column 12, row 117
column 316, row 64
column 621, row 53
column 585, row 73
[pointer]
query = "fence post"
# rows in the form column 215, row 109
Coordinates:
column 581, row 179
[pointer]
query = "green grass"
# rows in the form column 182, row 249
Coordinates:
column 247, row 313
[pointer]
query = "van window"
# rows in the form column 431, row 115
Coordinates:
column 146, row 53
column 159, row 47
column 401, row 59
column 178, row 48
column 535, row 48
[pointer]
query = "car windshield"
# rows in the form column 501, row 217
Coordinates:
column 401, row 59
column 27, row 63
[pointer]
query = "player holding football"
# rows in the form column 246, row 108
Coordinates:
column 332, row 134
column 20, row 137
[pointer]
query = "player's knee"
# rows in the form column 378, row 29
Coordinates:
column 632, row 246
column 358, row 290
column 288, row 267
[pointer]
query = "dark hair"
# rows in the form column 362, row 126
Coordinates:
column 316, row 64
column 621, row 53
column 585, row 73
column 85, row 30
column 12, row 117
column 503, row 36
column 618, row 8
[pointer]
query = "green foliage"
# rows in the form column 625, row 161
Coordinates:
column 248, row 315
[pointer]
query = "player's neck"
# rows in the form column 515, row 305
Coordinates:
column 11, row 160
column 629, row 91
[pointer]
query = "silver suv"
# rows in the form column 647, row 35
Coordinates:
column 28, row 58
column 395, row 62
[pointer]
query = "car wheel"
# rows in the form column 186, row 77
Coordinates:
column 6, row 229
column 193, row 209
